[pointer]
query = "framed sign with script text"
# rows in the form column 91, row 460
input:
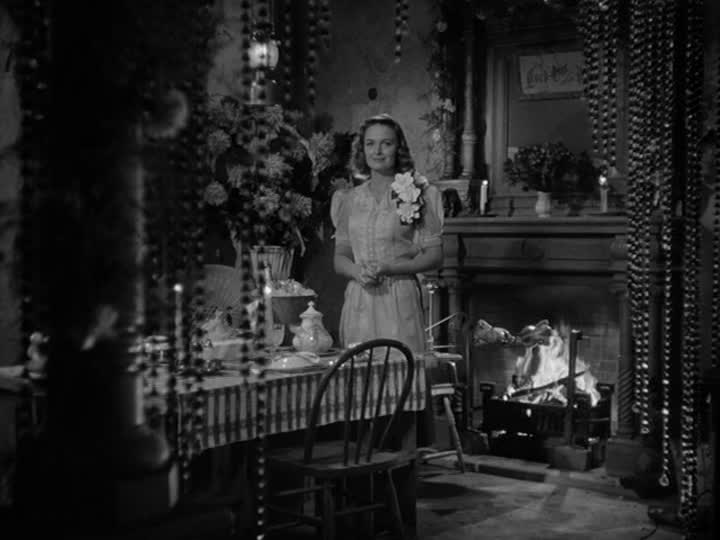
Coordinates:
column 551, row 75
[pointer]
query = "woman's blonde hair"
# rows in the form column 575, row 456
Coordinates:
column 358, row 162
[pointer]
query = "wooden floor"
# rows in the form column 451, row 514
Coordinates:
column 477, row 505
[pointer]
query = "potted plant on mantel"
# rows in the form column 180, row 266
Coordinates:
column 552, row 171
column 265, row 189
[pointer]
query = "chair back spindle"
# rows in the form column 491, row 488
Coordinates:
column 373, row 362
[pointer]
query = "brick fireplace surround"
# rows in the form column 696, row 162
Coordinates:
column 517, row 271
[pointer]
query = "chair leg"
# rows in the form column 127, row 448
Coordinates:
column 328, row 511
column 371, row 513
column 454, row 432
column 395, row 507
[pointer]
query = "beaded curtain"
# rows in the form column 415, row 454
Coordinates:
column 91, row 210
column 665, row 49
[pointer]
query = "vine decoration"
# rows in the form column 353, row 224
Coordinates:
column 445, row 64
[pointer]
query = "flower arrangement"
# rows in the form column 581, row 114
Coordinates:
column 407, row 190
column 266, row 187
column 539, row 167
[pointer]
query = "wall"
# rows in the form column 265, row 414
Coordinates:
column 513, row 120
column 535, row 121
column 361, row 57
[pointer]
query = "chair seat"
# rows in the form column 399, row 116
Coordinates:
column 327, row 460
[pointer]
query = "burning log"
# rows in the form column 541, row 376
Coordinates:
column 535, row 394
column 544, row 371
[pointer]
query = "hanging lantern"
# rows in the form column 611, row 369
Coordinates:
column 263, row 56
column 264, row 51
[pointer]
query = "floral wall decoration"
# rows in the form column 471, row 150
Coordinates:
column 445, row 68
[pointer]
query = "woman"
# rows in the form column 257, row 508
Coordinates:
column 380, row 253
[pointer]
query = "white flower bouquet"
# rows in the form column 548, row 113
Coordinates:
column 407, row 191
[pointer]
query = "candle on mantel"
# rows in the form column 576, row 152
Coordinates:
column 603, row 193
column 483, row 196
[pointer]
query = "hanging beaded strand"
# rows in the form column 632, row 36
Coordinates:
column 243, row 234
column 287, row 53
column 190, row 165
column 196, row 138
column 611, row 51
column 589, row 28
column 183, row 328
column 263, row 128
column 324, row 23
column 312, row 53
column 691, row 262
column 401, row 18
column 603, row 84
column 184, row 407
column 666, row 56
column 715, row 318
column 654, row 83
column 637, row 266
column 646, row 179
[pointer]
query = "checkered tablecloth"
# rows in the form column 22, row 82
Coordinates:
column 232, row 401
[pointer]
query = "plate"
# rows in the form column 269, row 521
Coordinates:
column 306, row 369
column 332, row 351
column 294, row 361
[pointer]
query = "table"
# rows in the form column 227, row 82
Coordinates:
column 232, row 400
column 231, row 413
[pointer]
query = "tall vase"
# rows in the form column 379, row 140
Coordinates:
column 543, row 205
column 278, row 258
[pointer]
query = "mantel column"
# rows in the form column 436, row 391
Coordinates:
column 623, row 447
column 469, row 137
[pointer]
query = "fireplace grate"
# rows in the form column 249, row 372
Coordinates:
column 506, row 420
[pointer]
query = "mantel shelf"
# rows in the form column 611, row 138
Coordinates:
column 610, row 225
column 489, row 247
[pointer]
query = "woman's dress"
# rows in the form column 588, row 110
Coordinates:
column 392, row 309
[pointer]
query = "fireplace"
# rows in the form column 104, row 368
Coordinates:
column 515, row 271
column 544, row 407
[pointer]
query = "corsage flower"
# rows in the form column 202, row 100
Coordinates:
column 407, row 190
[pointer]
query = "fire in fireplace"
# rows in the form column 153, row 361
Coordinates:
column 541, row 374
column 543, row 407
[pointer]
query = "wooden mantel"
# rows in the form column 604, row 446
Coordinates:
column 529, row 245
column 522, row 250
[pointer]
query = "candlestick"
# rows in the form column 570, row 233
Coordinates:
column 483, row 196
column 179, row 341
column 432, row 287
column 269, row 326
column 603, row 194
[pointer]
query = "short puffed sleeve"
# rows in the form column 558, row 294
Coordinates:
column 339, row 214
column 430, row 231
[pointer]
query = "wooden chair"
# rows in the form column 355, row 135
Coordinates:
column 446, row 391
column 362, row 452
